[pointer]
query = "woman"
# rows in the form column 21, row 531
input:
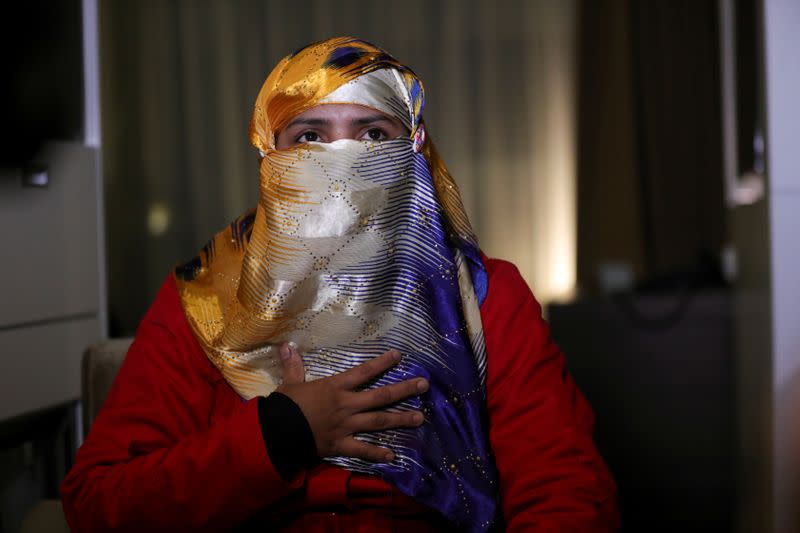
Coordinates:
column 343, row 357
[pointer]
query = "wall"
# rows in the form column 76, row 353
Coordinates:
column 781, row 43
column 768, row 292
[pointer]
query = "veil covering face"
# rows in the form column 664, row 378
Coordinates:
column 356, row 247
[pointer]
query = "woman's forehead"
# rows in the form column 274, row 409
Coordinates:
column 341, row 112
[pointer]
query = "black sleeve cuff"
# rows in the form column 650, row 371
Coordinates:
column 287, row 435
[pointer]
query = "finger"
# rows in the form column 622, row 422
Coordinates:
column 368, row 371
column 380, row 420
column 388, row 394
column 293, row 369
column 350, row 447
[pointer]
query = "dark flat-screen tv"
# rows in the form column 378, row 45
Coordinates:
column 41, row 94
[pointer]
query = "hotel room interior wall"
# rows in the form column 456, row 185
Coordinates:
column 767, row 294
column 782, row 75
column 179, row 79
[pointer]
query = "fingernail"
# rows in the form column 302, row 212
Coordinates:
column 396, row 355
column 389, row 457
column 286, row 352
column 293, row 347
column 418, row 418
column 422, row 385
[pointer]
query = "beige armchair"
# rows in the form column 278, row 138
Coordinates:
column 100, row 365
column 101, row 362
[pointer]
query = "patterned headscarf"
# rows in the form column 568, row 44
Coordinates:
column 356, row 247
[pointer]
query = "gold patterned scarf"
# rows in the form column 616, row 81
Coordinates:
column 235, row 293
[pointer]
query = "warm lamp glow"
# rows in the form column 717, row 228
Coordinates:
column 546, row 250
column 563, row 238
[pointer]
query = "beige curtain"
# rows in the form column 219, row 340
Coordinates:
column 179, row 78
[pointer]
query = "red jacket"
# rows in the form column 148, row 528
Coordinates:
column 175, row 448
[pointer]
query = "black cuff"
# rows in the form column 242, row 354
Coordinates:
column 287, row 435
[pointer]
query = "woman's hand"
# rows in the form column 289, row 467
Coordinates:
column 335, row 411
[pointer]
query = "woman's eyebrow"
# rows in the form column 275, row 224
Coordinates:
column 371, row 119
column 309, row 122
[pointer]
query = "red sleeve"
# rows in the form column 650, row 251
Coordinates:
column 552, row 477
column 155, row 458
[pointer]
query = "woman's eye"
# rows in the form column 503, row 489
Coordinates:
column 375, row 134
column 308, row 137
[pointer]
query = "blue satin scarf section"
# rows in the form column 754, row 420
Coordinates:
column 447, row 463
